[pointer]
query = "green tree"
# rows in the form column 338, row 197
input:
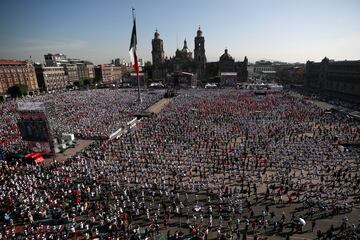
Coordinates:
column 80, row 83
column 18, row 90
column 87, row 81
column 95, row 80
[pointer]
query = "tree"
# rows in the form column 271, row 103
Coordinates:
column 18, row 90
column 87, row 81
column 79, row 83
column 95, row 80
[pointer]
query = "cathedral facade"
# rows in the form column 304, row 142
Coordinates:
column 184, row 64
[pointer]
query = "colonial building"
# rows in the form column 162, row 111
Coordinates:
column 263, row 66
column 227, row 71
column 84, row 69
column 14, row 72
column 116, row 74
column 184, row 69
column 71, row 73
column 108, row 73
column 90, row 70
column 179, row 66
column 336, row 78
column 290, row 73
column 51, row 78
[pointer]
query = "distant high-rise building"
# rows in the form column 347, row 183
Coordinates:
column 56, row 59
column 14, row 72
column 121, row 62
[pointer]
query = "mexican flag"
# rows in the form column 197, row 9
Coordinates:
column 132, row 49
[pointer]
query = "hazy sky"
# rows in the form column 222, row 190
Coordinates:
column 99, row 30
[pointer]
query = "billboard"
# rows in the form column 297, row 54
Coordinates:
column 34, row 127
column 228, row 78
column 33, row 130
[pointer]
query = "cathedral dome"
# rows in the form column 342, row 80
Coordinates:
column 226, row 56
column 185, row 48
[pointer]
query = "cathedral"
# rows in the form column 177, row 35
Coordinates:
column 185, row 70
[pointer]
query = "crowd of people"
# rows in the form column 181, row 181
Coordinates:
column 10, row 140
column 212, row 164
column 94, row 114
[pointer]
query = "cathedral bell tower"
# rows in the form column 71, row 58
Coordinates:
column 199, row 55
column 158, row 73
column 157, row 50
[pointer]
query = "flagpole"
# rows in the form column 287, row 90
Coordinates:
column 137, row 73
column 138, row 80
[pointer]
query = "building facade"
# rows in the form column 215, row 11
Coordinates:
column 108, row 73
column 116, row 74
column 71, row 73
column 51, row 78
column 14, row 72
column 338, row 78
column 84, row 69
column 168, row 69
column 291, row 73
column 263, row 66
column 56, row 59
column 184, row 64
column 227, row 71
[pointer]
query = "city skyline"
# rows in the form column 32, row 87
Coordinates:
column 277, row 30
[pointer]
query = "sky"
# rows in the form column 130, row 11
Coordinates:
column 99, row 30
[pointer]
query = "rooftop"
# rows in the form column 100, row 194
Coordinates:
column 12, row 62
